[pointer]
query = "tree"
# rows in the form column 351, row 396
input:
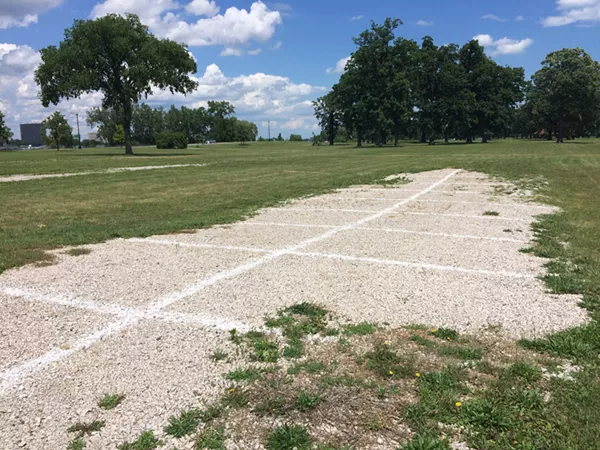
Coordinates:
column 567, row 87
column 296, row 138
column 280, row 137
column 106, row 121
column 5, row 133
column 119, row 136
column 56, row 131
column 328, row 115
column 117, row 56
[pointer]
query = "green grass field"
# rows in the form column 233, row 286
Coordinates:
column 44, row 214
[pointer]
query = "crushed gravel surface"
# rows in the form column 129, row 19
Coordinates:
column 141, row 317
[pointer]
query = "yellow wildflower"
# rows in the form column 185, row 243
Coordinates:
column 434, row 331
column 458, row 404
column 41, row 225
column 391, row 372
column 417, row 374
column 232, row 390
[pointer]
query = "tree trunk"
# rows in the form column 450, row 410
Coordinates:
column 396, row 132
column 358, row 138
column 127, row 112
column 470, row 140
column 561, row 130
column 423, row 137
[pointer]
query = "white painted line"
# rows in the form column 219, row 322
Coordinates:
column 399, row 189
column 423, row 266
column 116, row 310
column 366, row 211
column 26, row 177
column 393, row 230
column 451, row 202
column 463, row 216
column 13, row 376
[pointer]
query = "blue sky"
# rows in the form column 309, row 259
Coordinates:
column 272, row 59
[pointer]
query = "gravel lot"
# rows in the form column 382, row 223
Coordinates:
column 142, row 316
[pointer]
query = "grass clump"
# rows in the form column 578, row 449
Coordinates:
column 287, row 437
column 294, row 349
column 211, row 439
column 211, row 413
column 145, row 441
column 311, row 367
column 249, row 375
column 184, row 424
column 265, row 350
column 83, row 428
column 271, row 406
column 79, row 251
column 361, row 329
column 305, row 401
column 423, row 342
column 111, row 401
column 491, row 213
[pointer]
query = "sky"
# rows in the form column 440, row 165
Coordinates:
column 272, row 59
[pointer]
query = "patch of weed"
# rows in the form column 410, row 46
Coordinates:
column 491, row 213
column 287, row 437
column 423, row 342
column 79, row 251
column 219, row 355
column 446, row 334
column 249, row 375
column 265, row 350
column 184, row 424
column 145, row 441
column 305, row 401
column 211, row 413
column 310, row 366
column 76, row 444
column 294, row 349
column 426, row 441
column 307, row 309
column 111, row 401
column 235, row 398
column 360, row 329
column 82, row 428
column 384, row 361
column 525, row 371
column 235, row 337
column 211, row 439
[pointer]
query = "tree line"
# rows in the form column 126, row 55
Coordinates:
column 193, row 125
column 394, row 88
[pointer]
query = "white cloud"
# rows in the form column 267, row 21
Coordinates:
column 233, row 28
column 424, row 23
column 277, row 45
column 503, row 46
column 519, row 18
column 21, row 13
column 582, row 12
column 255, row 52
column 340, row 67
column 203, row 8
column 352, row 19
column 231, row 52
column 493, row 17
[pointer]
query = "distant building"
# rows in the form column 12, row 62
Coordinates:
column 31, row 134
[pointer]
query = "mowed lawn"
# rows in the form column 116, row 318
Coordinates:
column 43, row 214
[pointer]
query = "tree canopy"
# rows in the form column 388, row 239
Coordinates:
column 5, row 133
column 56, row 131
column 117, row 56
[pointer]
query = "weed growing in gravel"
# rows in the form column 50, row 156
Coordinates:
column 250, row 375
column 305, row 401
column 235, row 398
column 294, row 349
column 309, row 366
column 219, row 355
column 491, row 213
column 76, row 444
column 184, row 424
column 235, row 337
column 82, row 429
column 265, row 350
column 288, row 437
column 111, row 401
column 211, row 413
column 361, row 329
column 426, row 441
column 422, row 341
column 384, row 361
column 446, row 334
column 211, row 439
column 145, row 441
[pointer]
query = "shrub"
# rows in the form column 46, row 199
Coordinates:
column 295, row 137
column 170, row 139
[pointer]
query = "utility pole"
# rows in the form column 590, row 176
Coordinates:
column 269, row 131
column 78, row 132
